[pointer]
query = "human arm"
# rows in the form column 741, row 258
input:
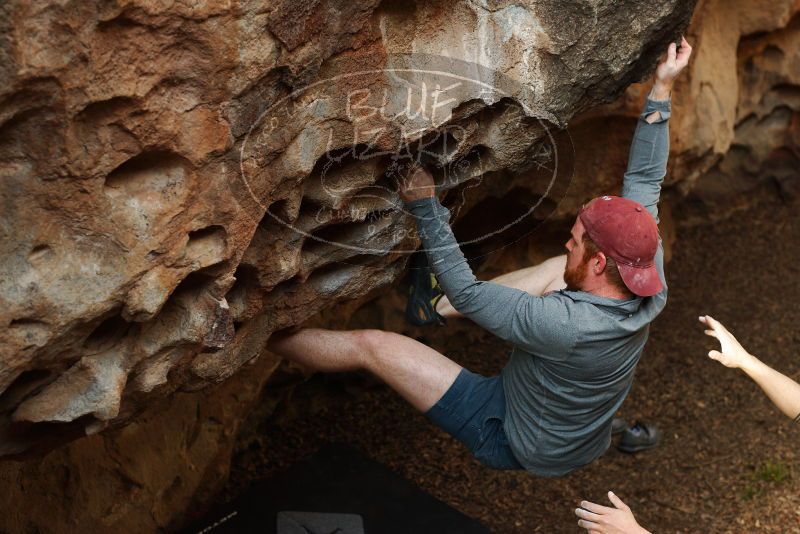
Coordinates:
column 536, row 280
column 532, row 322
column 598, row 519
column 647, row 160
column 782, row 390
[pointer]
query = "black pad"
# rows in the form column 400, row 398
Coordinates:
column 337, row 490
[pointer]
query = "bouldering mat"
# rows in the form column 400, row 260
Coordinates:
column 337, row 490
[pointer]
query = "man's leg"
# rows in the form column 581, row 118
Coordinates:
column 415, row 371
column 536, row 280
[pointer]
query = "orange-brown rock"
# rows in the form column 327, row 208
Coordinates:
column 180, row 180
column 734, row 129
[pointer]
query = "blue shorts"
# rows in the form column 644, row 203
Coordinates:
column 473, row 411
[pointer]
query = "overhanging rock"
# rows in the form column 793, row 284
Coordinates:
column 179, row 182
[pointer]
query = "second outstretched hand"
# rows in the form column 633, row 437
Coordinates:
column 598, row 519
column 731, row 353
column 782, row 390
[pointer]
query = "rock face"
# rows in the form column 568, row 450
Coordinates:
column 180, row 181
column 747, row 92
column 735, row 131
column 145, row 476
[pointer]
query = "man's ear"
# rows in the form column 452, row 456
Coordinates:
column 599, row 263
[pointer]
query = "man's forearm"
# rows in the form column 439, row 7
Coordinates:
column 782, row 390
column 536, row 280
column 647, row 161
column 660, row 91
column 509, row 313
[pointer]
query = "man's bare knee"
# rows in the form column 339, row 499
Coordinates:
column 370, row 344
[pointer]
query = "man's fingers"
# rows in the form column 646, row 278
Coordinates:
column 585, row 514
column 671, row 53
column 685, row 50
column 718, row 326
column 616, row 501
column 588, row 525
column 713, row 323
column 596, row 508
column 715, row 355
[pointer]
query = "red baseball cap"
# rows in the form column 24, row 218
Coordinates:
column 624, row 229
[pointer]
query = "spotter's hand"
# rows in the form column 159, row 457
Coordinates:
column 598, row 519
column 731, row 353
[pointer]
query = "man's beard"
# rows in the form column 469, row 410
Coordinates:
column 574, row 278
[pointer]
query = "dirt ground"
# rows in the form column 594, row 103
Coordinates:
column 729, row 461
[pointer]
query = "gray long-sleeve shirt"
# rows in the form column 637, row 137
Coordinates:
column 574, row 352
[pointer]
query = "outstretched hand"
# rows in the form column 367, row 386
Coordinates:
column 605, row 520
column 732, row 354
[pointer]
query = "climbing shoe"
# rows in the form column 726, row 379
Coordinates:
column 423, row 293
column 639, row 437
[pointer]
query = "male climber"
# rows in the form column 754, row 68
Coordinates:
column 575, row 349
